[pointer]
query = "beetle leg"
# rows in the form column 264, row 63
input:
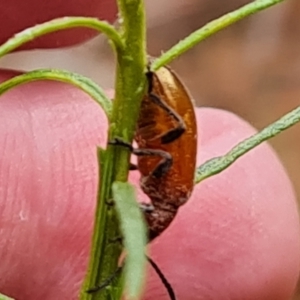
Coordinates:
column 114, row 276
column 119, row 142
column 163, row 165
column 161, row 168
column 147, row 207
column 133, row 167
column 172, row 134
column 106, row 283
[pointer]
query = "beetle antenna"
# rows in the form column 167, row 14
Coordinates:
column 163, row 279
column 160, row 274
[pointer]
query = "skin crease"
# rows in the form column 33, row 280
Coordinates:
column 17, row 15
column 237, row 237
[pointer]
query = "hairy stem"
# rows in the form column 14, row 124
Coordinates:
column 129, row 88
column 218, row 164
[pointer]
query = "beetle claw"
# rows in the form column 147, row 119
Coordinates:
column 146, row 207
column 120, row 142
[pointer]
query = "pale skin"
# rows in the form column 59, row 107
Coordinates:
column 236, row 238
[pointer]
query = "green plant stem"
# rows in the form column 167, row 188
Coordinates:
column 31, row 33
column 3, row 297
column 210, row 29
column 83, row 83
column 130, row 87
column 218, row 164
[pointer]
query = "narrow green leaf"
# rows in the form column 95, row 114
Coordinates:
column 134, row 232
column 218, row 164
column 55, row 25
column 82, row 82
column 3, row 297
column 210, row 29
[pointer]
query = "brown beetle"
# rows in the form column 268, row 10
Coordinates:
column 167, row 148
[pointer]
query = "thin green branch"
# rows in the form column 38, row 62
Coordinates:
column 83, row 83
column 129, row 89
column 101, row 238
column 3, row 297
column 210, row 29
column 55, row 25
column 130, row 77
column 218, row 164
